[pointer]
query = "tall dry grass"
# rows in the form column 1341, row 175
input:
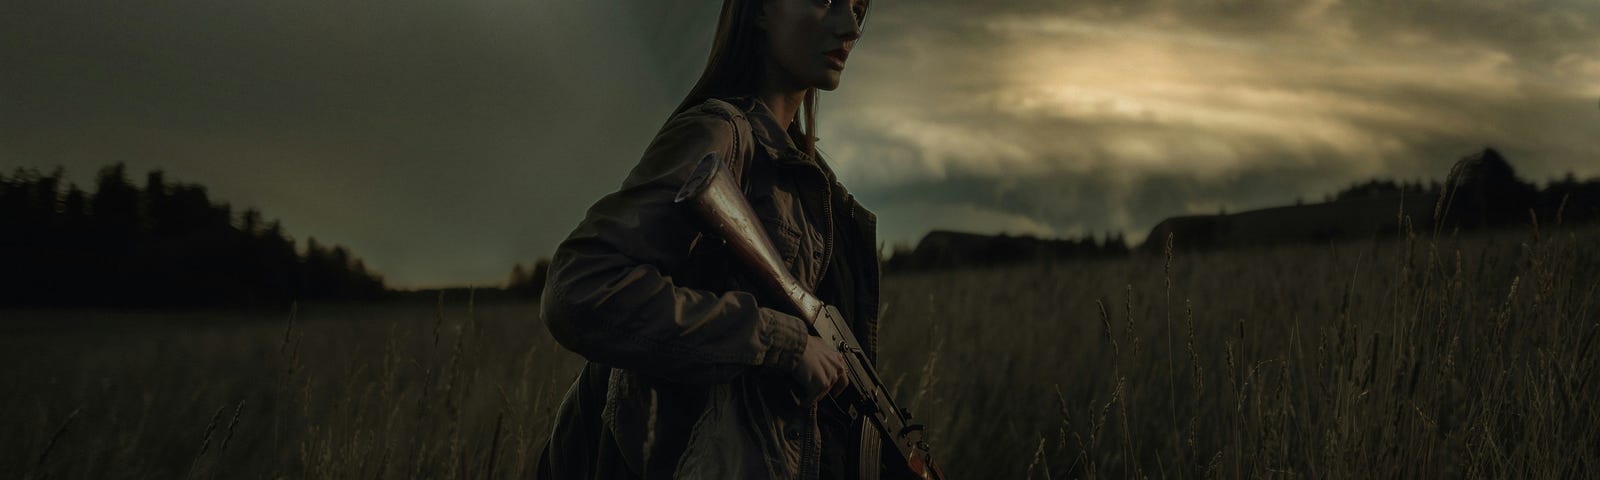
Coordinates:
column 418, row 391
column 1418, row 357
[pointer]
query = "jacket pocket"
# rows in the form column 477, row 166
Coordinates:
column 785, row 237
column 731, row 439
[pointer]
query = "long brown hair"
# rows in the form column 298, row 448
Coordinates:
column 736, row 66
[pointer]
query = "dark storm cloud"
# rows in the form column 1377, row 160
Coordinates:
column 1070, row 117
column 444, row 140
column 440, row 140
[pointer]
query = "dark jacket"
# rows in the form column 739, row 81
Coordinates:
column 687, row 374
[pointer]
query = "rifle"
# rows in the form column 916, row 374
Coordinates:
column 716, row 198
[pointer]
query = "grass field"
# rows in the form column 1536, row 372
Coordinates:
column 1416, row 358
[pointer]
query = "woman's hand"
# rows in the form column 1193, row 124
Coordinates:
column 821, row 370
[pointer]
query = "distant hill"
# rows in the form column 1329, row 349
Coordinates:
column 1481, row 191
column 946, row 249
column 165, row 244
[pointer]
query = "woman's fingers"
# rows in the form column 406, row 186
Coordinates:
column 820, row 394
column 822, row 370
column 839, row 385
column 841, row 379
column 828, row 377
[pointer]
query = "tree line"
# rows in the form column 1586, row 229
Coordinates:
column 163, row 244
column 1484, row 190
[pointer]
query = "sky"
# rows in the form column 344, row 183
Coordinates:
column 444, row 141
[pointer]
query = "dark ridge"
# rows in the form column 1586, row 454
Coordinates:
column 944, row 249
column 1481, row 191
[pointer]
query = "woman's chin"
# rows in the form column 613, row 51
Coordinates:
column 828, row 82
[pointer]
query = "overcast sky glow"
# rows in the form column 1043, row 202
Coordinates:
column 443, row 141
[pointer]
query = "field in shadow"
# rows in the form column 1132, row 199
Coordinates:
column 1415, row 357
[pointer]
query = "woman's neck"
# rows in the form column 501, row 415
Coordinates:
column 784, row 105
column 783, row 100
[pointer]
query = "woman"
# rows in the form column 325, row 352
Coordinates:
column 689, row 376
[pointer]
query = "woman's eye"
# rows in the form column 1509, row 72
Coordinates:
column 857, row 9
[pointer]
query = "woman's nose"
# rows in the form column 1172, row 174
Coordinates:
column 844, row 21
column 852, row 32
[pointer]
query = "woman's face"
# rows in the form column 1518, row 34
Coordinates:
column 808, row 40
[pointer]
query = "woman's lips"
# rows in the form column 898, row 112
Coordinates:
column 836, row 58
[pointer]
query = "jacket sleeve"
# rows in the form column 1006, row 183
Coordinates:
column 609, row 299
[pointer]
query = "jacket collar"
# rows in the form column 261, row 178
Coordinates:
column 777, row 142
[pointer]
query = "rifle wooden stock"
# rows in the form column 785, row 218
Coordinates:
column 716, row 199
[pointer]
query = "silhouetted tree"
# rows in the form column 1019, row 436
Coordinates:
column 528, row 284
column 518, row 275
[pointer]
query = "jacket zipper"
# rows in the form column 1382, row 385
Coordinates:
column 827, row 211
column 810, row 451
column 827, row 259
